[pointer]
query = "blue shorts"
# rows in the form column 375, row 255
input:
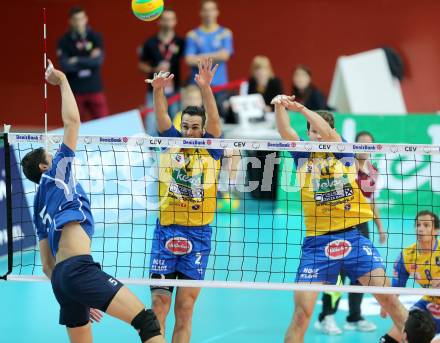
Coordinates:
column 78, row 284
column 183, row 249
column 323, row 257
column 430, row 307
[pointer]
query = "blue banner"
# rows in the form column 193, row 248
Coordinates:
column 22, row 228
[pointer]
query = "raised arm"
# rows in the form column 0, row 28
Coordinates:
column 69, row 109
column 283, row 122
column 159, row 82
column 327, row 133
column 203, row 79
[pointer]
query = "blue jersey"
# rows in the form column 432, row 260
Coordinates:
column 60, row 200
column 199, row 41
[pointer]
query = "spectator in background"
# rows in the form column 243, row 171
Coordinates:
column 162, row 52
column 210, row 40
column 81, row 54
column 305, row 92
column 264, row 81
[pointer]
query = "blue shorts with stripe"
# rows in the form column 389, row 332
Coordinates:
column 324, row 257
column 79, row 284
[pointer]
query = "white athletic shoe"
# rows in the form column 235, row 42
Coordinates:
column 328, row 326
column 361, row 325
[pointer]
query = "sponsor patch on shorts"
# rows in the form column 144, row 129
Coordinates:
column 338, row 249
column 179, row 246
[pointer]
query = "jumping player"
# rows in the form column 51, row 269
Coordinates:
column 65, row 226
column 333, row 205
column 420, row 261
column 188, row 183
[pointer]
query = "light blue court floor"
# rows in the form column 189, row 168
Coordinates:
column 29, row 313
column 257, row 240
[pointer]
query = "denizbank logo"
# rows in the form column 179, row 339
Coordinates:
column 196, row 142
column 364, row 147
column 28, row 137
column 113, row 140
column 281, row 145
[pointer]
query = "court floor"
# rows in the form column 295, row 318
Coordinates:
column 29, row 312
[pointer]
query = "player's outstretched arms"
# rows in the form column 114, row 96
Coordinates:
column 203, row 79
column 159, row 82
column 327, row 133
column 283, row 121
column 69, row 108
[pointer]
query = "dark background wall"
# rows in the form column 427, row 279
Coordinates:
column 314, row 32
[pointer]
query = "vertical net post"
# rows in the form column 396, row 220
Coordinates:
column 8, row 181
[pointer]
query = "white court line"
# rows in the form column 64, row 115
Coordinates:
column 225, row 334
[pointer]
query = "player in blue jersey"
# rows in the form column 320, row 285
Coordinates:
column 65, row 226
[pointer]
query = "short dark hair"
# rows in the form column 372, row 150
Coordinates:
column 420, row 326
column 327, row 116
column 364, row 133
column 434, row 217
column 195, row 111
column 31, row 164
column 304, row 68
column 75, row 10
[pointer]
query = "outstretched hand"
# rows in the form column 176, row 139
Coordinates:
column 288, row 102
column 53, row 76
column 206, row 72
column 161, row 80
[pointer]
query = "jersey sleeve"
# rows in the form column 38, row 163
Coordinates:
column 216, row 154
column 228, row 41
column 171, row 132
column 400, row 275
column 62, row 164
column 191, row 44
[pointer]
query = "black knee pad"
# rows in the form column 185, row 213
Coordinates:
column 146, row 324
column 387, row 339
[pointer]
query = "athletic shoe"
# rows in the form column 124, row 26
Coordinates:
column 328, row 326
column 361, row 325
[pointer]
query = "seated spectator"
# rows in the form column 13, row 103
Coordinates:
column 305, row 91
column 264, row 81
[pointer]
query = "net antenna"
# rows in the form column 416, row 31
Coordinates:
column 45, row 83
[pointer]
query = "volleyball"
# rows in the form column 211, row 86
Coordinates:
column 147, row 10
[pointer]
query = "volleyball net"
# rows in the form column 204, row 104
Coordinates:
column 255, row 196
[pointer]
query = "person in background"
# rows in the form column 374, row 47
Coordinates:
column 264, row 81
column 162, row 52
column 367, row 175
column 81, row 54
column 305, row 91
column 210, row 40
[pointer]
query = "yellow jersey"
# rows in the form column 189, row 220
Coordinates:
column 188, row 183
column 330, row 196
column 423, row 266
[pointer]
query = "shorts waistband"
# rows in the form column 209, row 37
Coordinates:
column 351, row 228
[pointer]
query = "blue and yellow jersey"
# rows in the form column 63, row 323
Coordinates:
column 330, row 196
column 188, row 182
column 423, row 266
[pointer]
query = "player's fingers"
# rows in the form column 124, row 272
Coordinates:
column 215, row 69
column 148, row 81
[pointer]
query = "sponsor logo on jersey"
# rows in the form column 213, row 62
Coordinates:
column 434, row 309
column 437, row 260
column 179, row 246
column 338, row 249
column 196, row 207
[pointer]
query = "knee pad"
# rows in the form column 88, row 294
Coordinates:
column 387, row 339
column 146, row 324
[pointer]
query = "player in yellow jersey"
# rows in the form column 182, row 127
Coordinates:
column 420, row 261
column 187, row 193
column 333, row 205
